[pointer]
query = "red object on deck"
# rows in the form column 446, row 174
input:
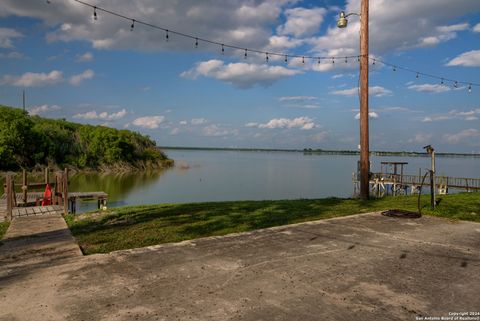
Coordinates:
column 47, row 196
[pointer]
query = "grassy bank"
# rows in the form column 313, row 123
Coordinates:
column 3, row 229
column 137, row 226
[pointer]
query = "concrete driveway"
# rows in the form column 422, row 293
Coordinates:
column 363, row 267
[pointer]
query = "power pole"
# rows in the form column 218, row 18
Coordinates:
column 24, row 100
column 364, row 131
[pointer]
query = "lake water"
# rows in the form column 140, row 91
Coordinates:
column 240, row 175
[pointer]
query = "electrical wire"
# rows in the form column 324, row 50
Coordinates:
column 268, row 54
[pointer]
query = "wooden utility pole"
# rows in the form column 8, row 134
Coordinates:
column 65, row 191
column 364, row 131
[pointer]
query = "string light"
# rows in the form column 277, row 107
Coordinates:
column 245, row 55
column 266, row 56
column 441, row 83
column 417, row 76
column 286, row 56
column 469, row 88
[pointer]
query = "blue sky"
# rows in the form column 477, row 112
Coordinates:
column 101, row 72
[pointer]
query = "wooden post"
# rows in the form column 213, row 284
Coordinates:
column 46, row 176
column 24, row 187
column 364, row 134
column 9, row 195
column 65, row 192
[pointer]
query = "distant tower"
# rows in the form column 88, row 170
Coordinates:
column 24, row 100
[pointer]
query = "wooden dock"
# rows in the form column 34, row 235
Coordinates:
column 32, row 206
column 401, row 184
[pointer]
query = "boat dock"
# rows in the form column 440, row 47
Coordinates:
column 25, row 203
column 398, row 183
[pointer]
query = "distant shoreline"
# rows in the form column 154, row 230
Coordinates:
column 321, row 151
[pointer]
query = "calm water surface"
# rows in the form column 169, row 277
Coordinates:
column 238, row 175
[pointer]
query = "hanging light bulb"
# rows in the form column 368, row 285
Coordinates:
column 223, row 49
column 346, row 60
column 245, row 55
column 417, row 76
column 455, row 84
column 319, row 61
column 441, row 82
column 266, row 57
column 333, row 60
column 358, row 58
column 196, row 42
column 303, row 60
column 286, row 58
column 133, row 25
column 394, row 68
column 95, row 13
column 469, row 88
column 373, row 63
column 166, row 35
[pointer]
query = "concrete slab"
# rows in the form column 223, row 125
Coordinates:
column 365, row 267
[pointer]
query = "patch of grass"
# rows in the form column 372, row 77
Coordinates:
column 138, row 226
column 3, row 229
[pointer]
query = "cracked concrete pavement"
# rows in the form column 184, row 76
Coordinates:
column 362, row 267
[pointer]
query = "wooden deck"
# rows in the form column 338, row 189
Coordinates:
column 30, row 208
column 400, row 184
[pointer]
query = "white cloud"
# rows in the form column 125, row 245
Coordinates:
column 422, row 20
column 88, row 56
column 337, row 76
column 304, row 123
column 466, row 59
column 320, row 137
column 150, row 122
column 463, row 136
column 36, row 110
column 183, row 122
column 6, row 36
column 76, row 80
column 216, row 131
column 470, row 115
column 476, row 28
column 452, row 28
column 31, row 79
column 372, row 115
column 302, row 21
column 296, row 98
column 175, row 131
column 12, row 55
column 240, row 75
column 103, row 115
column 420, row 138
column 198, row 121
column 430, row 88
column 376, row 91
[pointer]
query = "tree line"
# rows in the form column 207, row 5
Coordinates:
column 28, row 141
